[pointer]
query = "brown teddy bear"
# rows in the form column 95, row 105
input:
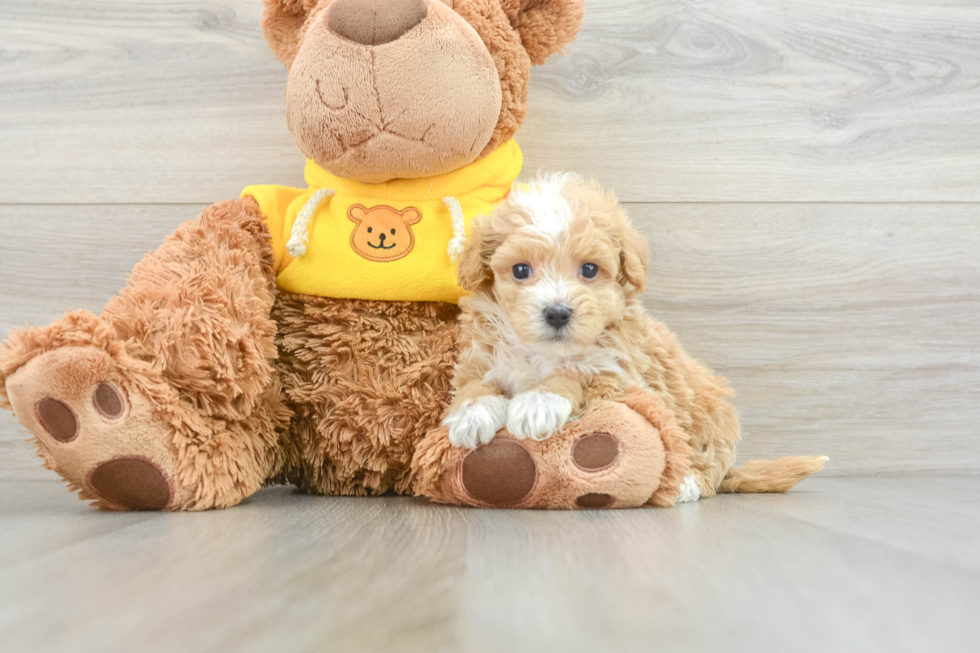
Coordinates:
column 308, row 336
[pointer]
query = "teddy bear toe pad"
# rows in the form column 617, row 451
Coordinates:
column 594, row 500
column 57, row 419
column 132, row 482
column 100, row 437
column 595, row 452
column 500, row 473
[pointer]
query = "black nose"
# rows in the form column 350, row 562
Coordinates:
column 382, row 237
column 557, row 316
column 374, row 22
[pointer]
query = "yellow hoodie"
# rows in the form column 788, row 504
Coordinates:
column 392, row 241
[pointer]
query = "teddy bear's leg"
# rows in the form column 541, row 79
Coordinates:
column 169, row 400
column 619, row 454
column 366, row 380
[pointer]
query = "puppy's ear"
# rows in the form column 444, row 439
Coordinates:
column 474, row 263
column 282, row 21
column 634, row 259
column 545, row 26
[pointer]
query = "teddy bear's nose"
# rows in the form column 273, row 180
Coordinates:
column 374, row 22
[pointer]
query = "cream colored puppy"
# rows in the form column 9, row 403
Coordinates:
column 554, row 322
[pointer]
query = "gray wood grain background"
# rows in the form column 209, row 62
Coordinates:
column 807, row 173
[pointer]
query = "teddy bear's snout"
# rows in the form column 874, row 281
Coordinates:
column 375, row 22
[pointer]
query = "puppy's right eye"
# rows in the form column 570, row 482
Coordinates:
column 589, row 270
column 521, row 271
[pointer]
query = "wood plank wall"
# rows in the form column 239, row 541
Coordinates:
column 808, row 174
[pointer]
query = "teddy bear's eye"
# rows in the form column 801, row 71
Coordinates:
column 392, row 232
column 521, row 271
column 370, row 229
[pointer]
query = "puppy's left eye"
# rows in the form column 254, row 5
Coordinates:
column 590, row 270
column 521, row 271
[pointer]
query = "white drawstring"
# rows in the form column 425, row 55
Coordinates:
column 298, row 237
column 458, row 242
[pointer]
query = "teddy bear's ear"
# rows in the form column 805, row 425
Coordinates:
column 545, row 26
column 282, row 21
column 411, row 215
column 356, row 213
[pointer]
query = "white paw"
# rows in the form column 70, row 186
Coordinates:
column 537, row 415
column 689, row 491
column 476, row 421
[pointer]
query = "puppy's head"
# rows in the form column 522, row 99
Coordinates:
column 561, row 260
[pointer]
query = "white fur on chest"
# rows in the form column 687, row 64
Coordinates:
column 514, row 371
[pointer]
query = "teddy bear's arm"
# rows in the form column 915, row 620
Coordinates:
column 274, row 205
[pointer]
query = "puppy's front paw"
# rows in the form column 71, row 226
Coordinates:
column 476, row 421
column 537, row 415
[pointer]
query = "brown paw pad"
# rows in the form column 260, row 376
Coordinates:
column 57, row 419
column 132, row 483
column 594, row 500
column 594, row 452
column 500, row 473
column 109, row 401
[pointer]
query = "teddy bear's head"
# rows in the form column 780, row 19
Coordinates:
column 385, row 89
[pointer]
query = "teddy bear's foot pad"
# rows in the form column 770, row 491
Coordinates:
column 95, row 428
column 500, row 473
column 610, row 458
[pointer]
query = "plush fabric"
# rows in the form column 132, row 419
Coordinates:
column 364, row 382
column 375, row 22
column 340, row 262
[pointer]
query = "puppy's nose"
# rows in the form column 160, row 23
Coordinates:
column 557, row 316
column 374, row 22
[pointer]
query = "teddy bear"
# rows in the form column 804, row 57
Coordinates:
column 308, row 336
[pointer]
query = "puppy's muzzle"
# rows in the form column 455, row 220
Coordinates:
column 557, row 317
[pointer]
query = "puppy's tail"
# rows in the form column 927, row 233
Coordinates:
column 776, row 475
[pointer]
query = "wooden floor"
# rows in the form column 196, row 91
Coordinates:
column 840, row 564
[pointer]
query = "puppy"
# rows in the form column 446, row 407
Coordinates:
column 554, row 322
